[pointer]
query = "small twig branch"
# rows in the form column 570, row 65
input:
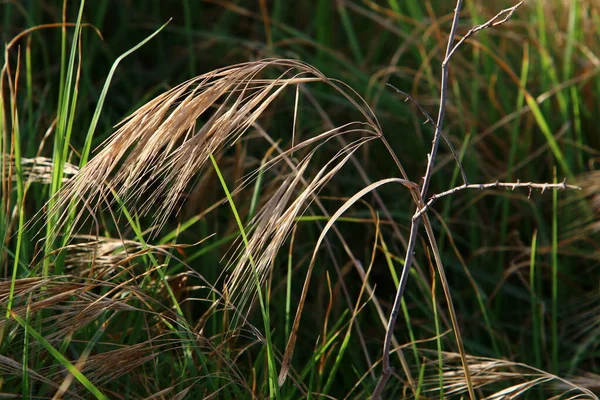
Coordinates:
column 542, row 187
column 500, row 18
column 431, row 121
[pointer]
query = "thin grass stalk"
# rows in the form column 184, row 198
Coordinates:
column 535, row 314
column 16, row 150
column 554, row 326
column 346, row 341
column 25, row 385
column 29, row 87
column 394, row 275
column 260, row 175
column 288, row 286
column 272, row 367
column 421, row 380
column 323, row 360
column 5, row 200
column 438, row 335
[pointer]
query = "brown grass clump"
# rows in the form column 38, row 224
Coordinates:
column 156, row 153
column 516, row 379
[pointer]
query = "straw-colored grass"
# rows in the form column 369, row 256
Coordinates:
column 287, row 229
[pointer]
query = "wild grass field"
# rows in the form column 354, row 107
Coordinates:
column 320, row 199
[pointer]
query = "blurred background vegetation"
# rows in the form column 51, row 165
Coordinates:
column 522, row 105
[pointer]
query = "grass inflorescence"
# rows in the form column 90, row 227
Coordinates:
column 328, row 199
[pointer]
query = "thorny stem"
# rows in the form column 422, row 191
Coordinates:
column 422, row 208
column 508, row 185
column 387, row 370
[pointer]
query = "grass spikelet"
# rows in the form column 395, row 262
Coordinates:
column 156, row 153
column 242, row 234
column 497, row 379
column 38, row 169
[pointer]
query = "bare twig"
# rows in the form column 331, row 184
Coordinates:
column 387, row 370
column 450, row 50
column 542, row 187
column 498, row 19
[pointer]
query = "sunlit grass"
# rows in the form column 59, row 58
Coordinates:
column 159, row 237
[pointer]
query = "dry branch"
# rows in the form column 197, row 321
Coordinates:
column 542, row 187
column 450, row 50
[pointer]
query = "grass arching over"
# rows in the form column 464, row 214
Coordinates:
column 141, row 283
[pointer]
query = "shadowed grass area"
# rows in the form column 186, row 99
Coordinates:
column 214, row 199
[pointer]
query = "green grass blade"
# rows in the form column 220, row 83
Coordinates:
column 545, row 128
column 273, row 386
column 535, row 314
column 25, row 385
column 95, row 118
column 60, row 358
column 438, row 336
column 350, row 33
column 394, row 275
column 20, row 205
column 64, row 122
